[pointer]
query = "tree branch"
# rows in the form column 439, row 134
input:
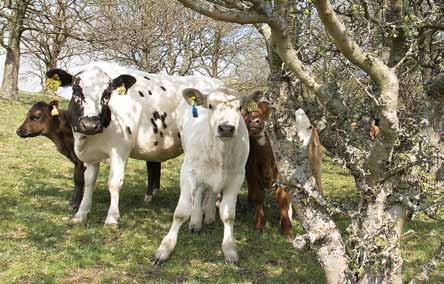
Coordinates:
column 218, row 12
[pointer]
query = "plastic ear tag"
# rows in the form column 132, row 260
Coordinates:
column 251, row 106
column 121, row 89
column 54, row 111
column 53, row 83
column 194, row 110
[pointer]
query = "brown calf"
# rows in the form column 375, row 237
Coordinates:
column 315, row 157
column 261, row 169
column 50, row 121
column 374, row 129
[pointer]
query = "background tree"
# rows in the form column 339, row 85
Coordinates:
column 13, row 15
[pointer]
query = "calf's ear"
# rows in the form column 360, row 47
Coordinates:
column 192, row 95
column 58, row 74
column 126, row 80
column 250, row 102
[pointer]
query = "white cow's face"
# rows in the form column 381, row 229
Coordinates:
column 224, row 107
column 91, row 91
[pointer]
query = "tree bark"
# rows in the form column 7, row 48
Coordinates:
column 11, row 69
column 12, row 62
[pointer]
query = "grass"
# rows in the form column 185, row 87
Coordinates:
column 38, row 244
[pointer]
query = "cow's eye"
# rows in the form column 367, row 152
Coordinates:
column 210, row 106
column 240, row 108
column 35, row 117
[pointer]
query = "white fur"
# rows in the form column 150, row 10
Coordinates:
column 133, row 111
column 209, row 162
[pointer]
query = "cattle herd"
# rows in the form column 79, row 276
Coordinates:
column 118, row 113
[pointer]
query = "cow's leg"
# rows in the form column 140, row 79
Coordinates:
column 257, row 196
column 79, row 184
column 209, row 207
column 196, row 211
column 90, row 184
column 115, row 182
column 285, row 211
column 227, row 211
column 153, row 172
column 181, row 215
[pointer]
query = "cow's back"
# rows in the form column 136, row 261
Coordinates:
column 155, row 99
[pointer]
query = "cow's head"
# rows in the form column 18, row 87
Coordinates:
column 255, row 115
column 91, row 91
column 38, row 120
column 224, row 107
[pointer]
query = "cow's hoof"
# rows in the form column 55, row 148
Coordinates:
column 231, row 257
column 147, row 200
column 195, row 228
column 111, row 221
column 161, row 256
column 78, row 219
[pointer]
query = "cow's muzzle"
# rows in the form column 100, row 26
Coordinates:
column 225, row 130
column 21, row 132
column 90, row 125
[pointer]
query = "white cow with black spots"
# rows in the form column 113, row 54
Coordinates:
column 216, row 149
column 118, row 113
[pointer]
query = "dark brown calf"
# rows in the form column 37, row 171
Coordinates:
column 262, row 171
column 50, row 121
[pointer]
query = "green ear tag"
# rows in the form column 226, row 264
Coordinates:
column 251, row 106
column 121, row 89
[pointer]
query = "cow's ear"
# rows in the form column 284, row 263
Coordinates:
column 53, row 107
column 257, row 96
column 265, row 108
column 194, row 96
column 126, row 80
column 249, row 102
column 58, row 74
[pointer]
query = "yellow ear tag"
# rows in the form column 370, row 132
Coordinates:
column 54, row 111
column 121, row 90
column 52, row 84
column 251, row 106
column 191, row 100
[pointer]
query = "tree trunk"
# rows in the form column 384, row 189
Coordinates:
column 11, row 68
column 12, row 62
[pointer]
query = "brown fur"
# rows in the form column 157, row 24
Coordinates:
column 40, row 122
column 315, row 157
column 262, row 171
column 374, row 130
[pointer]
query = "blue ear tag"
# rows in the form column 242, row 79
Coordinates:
column 194, row 110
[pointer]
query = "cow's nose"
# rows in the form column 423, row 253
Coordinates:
column 90, row 125
column 225, row 130
column 256, row 121
column 20, row 132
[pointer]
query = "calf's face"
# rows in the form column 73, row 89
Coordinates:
column 255, row 119
column 224, row 107
column 91, row 91
column 38, row 120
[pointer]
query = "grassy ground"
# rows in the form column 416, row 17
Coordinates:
column 39, row 245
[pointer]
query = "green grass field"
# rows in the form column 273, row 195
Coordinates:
column 39, row 245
